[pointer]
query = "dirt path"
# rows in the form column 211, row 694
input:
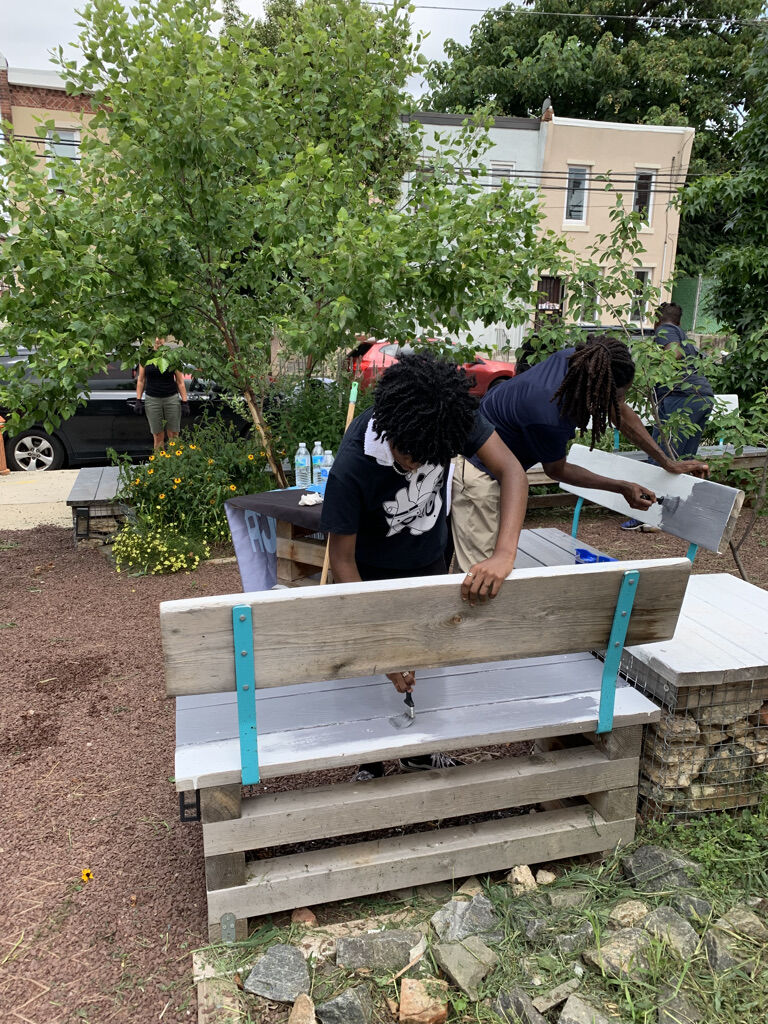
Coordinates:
column 86, row 759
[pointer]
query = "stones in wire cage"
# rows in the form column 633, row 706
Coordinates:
column 709, row 753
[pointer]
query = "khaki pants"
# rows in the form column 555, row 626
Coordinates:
column 474, row 514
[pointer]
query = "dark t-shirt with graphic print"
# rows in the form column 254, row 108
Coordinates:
column 400, row 521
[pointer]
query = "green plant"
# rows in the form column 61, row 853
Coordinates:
column 145, row 548
column 307, row 410
column 186, row 484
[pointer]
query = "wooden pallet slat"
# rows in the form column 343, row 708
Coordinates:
column 381, row 865
column 346, row 808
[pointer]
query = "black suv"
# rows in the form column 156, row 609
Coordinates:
column 106, row 420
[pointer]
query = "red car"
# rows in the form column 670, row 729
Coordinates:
column 369, row 360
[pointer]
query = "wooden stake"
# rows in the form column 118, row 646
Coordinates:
column 3, row 467
column 350, row 414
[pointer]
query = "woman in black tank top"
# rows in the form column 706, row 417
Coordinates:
column 162, row 394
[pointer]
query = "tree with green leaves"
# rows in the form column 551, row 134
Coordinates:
column 229, row 192
column 647, row 63
column 739, row 298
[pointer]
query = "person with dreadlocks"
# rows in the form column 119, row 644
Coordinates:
column 385, row 502
column 536, row 415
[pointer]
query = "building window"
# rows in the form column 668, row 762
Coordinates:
column 576, row 195
column 639, row 301
column 643, row 201
column 501, row 172
column 61, row 142
column 549, row 300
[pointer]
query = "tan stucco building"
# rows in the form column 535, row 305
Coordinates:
column 646, row 164
column 31, row 97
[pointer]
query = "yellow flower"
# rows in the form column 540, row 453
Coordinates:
column 137, row 481
column 262, row 453
column 178, row 453
column 177, row 479
column 161, row 496
column 174, row 487
column 210, row 462
column 150, row 472
column 250, row 458
column 151, row 458
column 86, row 875
column 232, row 487
column 193, row 447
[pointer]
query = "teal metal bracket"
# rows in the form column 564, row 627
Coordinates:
column 576, row 514
column 691, row 552
column 613, row 654
column 242, row 631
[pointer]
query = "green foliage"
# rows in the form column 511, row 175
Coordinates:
column 233, row 189
column 144, row 548
column 308, row 410
column 739, row 297
column 185, row 485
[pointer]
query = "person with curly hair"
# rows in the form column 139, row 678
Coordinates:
column 385, row 502
column 536, row 415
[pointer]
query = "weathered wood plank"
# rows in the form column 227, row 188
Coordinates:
column 356, row 629
column 615, row 805
column 308, row 552
column 705, row 514
column 340, row 873
column 274, row 819
column 624, row 741
column 216, row 805
column 306, row 750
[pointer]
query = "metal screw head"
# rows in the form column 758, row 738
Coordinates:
column 617, row 644
column 242, row 618
column 243, row 654
column 245, row 687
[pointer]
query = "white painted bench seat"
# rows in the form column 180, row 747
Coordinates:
column 339, row 723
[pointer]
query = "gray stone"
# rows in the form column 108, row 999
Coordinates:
column 666, row 924
column 353, row 1006
column 281, row 974
column 555, row 996
column 455, row 920
column 387, row 950
column 719, row 952
column 576, row 941
column 654, row 869
column 744, row 922
column 567, row 898
column 516, row 1006
column 535, row 929
column 693, row 908
column 729, row 763
column 620, row 954
column 467, row 962
column 576, row 1011
column 676, row 1008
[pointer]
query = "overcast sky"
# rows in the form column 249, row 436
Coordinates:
column 31, row 28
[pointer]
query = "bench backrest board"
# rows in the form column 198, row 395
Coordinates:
column 699, row 511
column 359, row 629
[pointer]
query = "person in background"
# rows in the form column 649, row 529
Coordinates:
column 692, row 394
column 385, row 502
column 536, row 415
column 163, row 395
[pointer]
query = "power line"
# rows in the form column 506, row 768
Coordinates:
column 649, row 19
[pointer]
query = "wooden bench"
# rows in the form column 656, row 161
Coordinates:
column 289, row 682
column 92, row 498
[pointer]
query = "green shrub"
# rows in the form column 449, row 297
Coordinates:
column 311, row 410
column 144, row 548
column 186, row 484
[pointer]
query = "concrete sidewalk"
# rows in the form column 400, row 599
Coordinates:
column 31, row 499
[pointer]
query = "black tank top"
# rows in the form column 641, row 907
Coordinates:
column 159, row 383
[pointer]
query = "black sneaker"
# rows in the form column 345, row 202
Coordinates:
column 631, row 524
column 426, row 762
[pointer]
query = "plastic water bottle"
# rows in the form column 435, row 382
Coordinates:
column 301, row 464
column 317, row 462
column 325, row 468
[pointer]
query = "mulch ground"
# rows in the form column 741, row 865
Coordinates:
column 86, row 761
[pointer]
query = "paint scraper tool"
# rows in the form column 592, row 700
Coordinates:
column 407, row 718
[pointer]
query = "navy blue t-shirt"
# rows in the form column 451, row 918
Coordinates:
column 693, row 380
column 522, row 413
column 399, row 520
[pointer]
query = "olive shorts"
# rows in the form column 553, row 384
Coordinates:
column 161, row 410
column 475, row 500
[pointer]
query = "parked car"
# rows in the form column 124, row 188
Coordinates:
column 369, row 360
column 106, row 420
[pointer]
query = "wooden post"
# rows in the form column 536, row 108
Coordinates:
column 222, row 871
column 3, row 467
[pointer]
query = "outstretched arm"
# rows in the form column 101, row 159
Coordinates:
column 484, row 579
column 634, row 494
column 633, row 429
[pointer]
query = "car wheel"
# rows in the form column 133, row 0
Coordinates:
column 35, row 451
column 498, row 380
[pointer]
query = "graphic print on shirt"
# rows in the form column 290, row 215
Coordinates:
column 417, row 506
